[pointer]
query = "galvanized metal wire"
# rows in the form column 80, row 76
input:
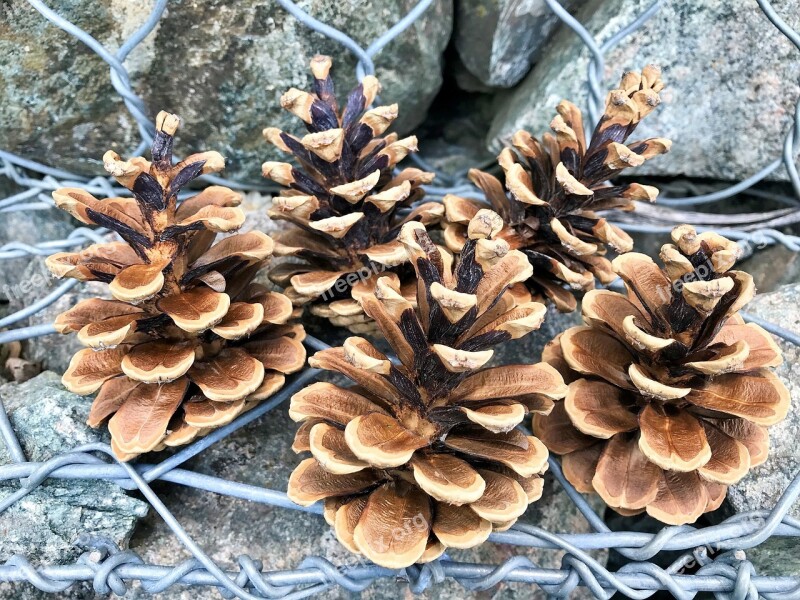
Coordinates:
column 727, row 573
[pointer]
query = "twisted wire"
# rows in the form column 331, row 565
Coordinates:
column 110, row 569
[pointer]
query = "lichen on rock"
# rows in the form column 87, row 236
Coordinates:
column 43, row 526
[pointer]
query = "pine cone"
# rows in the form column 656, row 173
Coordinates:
column 424, row 455
column 670, row 391
column 189, row 341
column 553, row 188
column 344, row 198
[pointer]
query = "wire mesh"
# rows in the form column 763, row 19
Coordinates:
column 728, row 573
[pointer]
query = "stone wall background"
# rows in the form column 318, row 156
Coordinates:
column 731, row 76
column 221, row 66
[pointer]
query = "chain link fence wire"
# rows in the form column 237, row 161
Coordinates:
column 728, row 574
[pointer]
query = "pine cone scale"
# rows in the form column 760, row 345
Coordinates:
column 598, row 409
column 231, row 375
column 158, row 362
column 730, row 458
column 764, row 399
column 310, row 483
column 394, row 505
column 329, row 447
column 381, row 440
column 447, row 478
column 624, row 477
column 579, row 466
column 460, row 527
column 140, row 423
column 589, row 352
column 681, row 494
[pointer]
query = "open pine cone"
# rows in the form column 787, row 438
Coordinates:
column 553, row 188
column 424, row 455
column 670, row 391
column 346, row 201
column 189, row 341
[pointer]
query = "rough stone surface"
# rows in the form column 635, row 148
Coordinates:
column 43, row 526
column 499, row 40
column 221, row 66
column 762, row 487
column 731, row 81
column 762, row 266
column 260, row 454
column 78, row 591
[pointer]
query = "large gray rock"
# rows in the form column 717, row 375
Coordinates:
column 42, row 527
column 763, row 486
column 260, row 454
column 499, row 40
column 221, row 66
column 761, row 265
column 731, row 81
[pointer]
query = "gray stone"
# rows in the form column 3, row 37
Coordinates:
column 731, row 82
column 260, row 454
column 763, row 486
column 220, row 66
column 499, row 40
column 42, row 527
column 761, row 265
column 255, row 206
column 466, row 81
column 451, row 139
column 25, row 591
